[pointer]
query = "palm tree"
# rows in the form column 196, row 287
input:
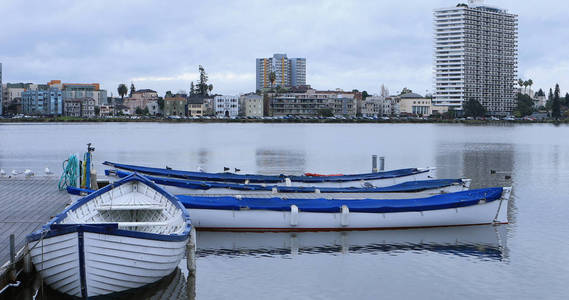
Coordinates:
column 526, row 84
column 272, row 79
column 530, row 83
column 123, row 90
column 520, row 84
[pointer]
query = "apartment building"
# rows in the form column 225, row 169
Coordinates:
column 43, row 101
column 226, row 106
column 313, row 102
column 251, row 105
column 80, row 90
column 475, row 56
column 288, row 72
column 80, row 108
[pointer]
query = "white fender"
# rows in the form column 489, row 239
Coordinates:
column 293, row 215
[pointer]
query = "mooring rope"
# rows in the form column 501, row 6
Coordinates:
column 69, row 175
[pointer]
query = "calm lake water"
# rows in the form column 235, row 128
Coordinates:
column 526, row 259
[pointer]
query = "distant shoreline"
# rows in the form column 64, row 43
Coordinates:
column 276, row 121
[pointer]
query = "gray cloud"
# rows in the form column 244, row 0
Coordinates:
column 159, row 44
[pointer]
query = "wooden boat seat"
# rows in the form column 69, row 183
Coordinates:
column 136, row 224
column 131, row 207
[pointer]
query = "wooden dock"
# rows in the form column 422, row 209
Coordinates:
column 26, row 204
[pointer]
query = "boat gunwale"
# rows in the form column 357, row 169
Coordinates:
column 255, row 178
column 54, row 228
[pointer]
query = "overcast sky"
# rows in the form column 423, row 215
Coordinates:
column 347, row 44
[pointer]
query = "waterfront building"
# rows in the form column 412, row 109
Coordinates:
column 288, row 72
column 475, row 57
column 175, row 106
column 140, row 99
column 313, row 103
column 80, row 90
column 43, row 101
column 539, row 101
column 106, row 110
column 80, row 108
column 251, row 105
column 209, row 106
column 12, row 96
column 393, row 105
column 226, row 106
column 373, row 106
column 414, row 104
column 196, row 107
column 153, row 108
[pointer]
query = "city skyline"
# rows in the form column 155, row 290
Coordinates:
column 81, row 42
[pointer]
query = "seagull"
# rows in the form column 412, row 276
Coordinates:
column 2, row 173
column 168, row 168
column 15, row 173
column 200, row 169
column 28, row 173
column 237, row 170
column 47, row 171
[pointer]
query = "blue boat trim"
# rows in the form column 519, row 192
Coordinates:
column 438, row 202
column 54, row 228
column 406, row 187
column 253, row 178
column 82, row 276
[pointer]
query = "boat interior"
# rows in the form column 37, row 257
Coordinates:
column 133, row 206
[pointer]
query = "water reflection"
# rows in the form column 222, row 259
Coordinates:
column 274, row 161
column 475, row 161
column 483, row 242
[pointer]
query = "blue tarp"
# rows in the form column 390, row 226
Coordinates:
column 445, row 201
column 231, row 177
column 406, row 187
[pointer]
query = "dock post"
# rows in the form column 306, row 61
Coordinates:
column 382, row 163
column 374, row 163
column 191, row 252
column 27, row 261
column 12, row 250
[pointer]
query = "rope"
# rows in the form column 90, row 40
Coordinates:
column 69, row 175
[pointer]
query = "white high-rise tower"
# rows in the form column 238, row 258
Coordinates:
column 475, row 56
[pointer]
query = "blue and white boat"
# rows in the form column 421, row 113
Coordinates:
column 474, row 207
column 414, row 189
column 124, row 236
column 380, row 179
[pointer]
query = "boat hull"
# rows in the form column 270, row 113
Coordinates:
column 495, row 212
column 86, row 264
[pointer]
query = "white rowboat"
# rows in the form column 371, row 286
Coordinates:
column 124, row 236
column 475, row 207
